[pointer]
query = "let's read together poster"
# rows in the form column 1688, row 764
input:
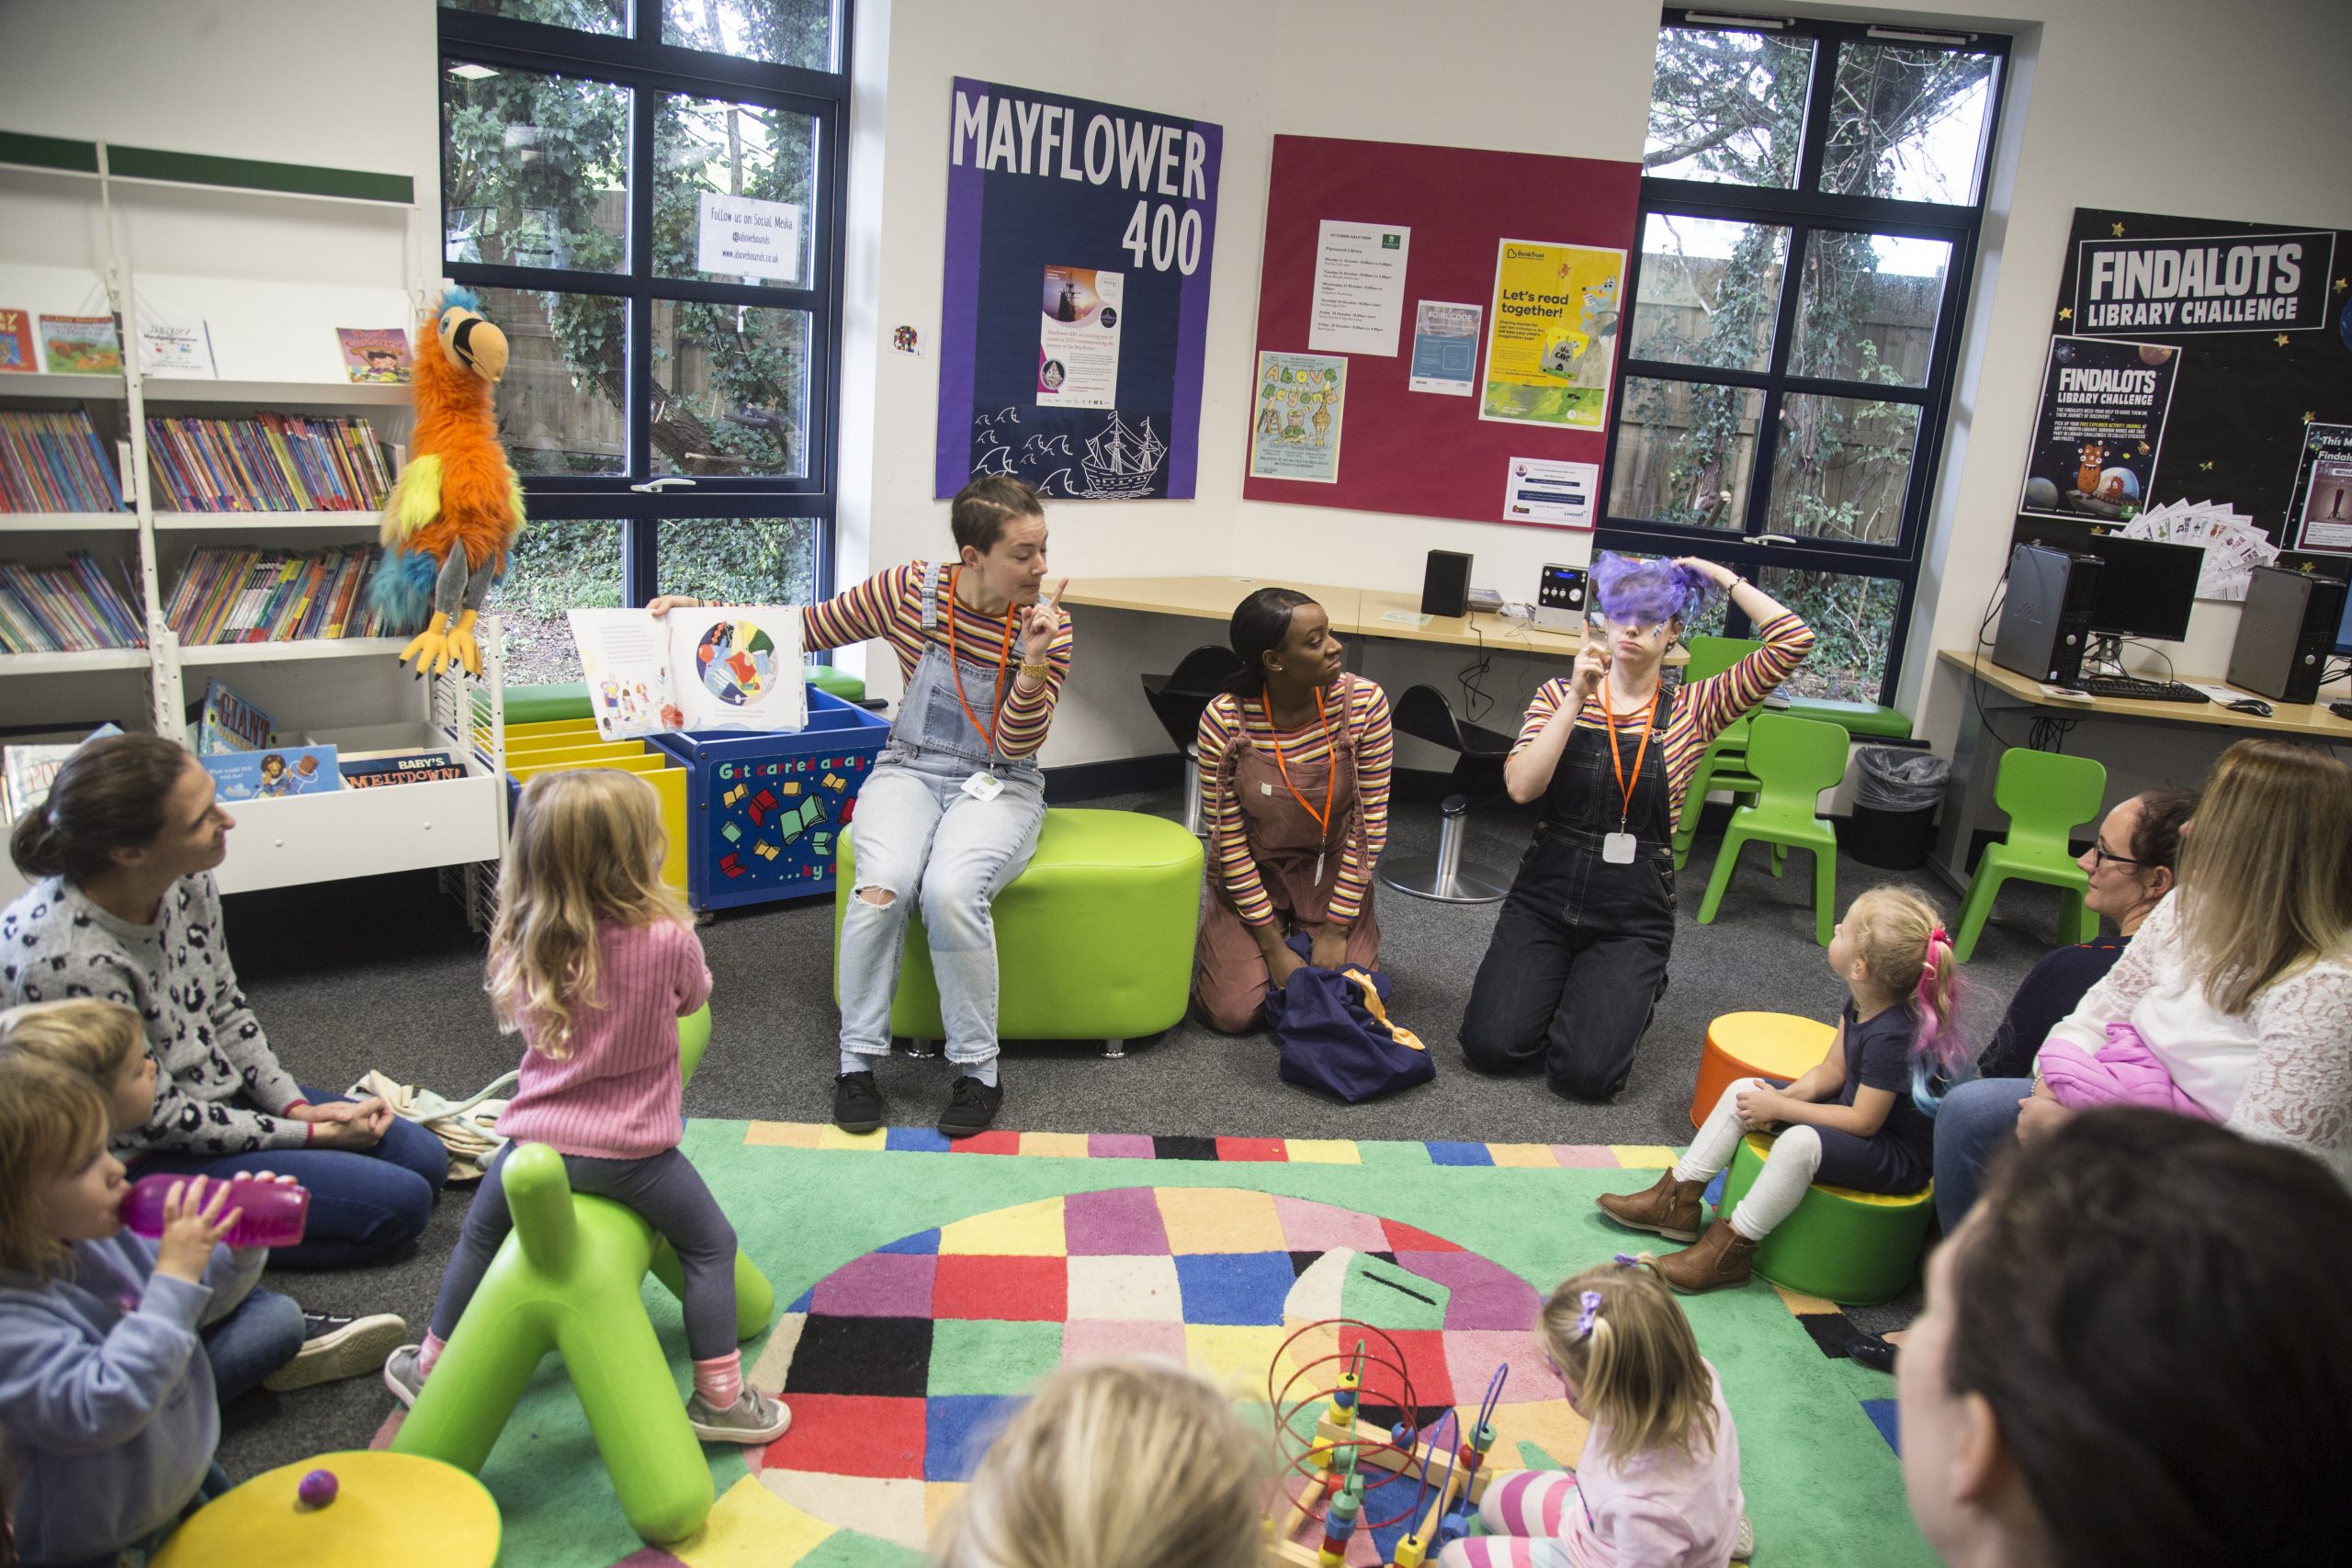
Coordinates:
column 731, row 668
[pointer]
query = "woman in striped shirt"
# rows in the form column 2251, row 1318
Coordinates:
column 951, row 812
column 1295, row 758
column 1580, row 952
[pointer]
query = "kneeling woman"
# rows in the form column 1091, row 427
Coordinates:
column 1580, row 952
column 1295, row 758
column 951, row 812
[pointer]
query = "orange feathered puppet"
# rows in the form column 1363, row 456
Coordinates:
column 453, row 513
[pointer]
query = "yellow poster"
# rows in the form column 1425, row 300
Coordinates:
column 1551, row 335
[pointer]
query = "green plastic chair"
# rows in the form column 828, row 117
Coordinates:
column 567, row 1279
column 2046, row 796
column 1794, row 759
column 1723, row 765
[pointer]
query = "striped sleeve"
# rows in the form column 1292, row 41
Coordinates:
column 1715, row 702
column 1375, row 756
column 868, row 610
column 1026, row 716
column 1234, row 868
column 1548, row 698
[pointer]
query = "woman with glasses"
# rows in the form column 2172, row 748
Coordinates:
column 1578, row 955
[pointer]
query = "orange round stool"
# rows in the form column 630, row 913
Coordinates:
column 1755, row 1045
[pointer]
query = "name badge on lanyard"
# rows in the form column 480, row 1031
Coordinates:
column 985, row 785
column 1617, row 849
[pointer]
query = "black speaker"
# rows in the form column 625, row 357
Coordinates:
column 1445, row 586
column 2285, row 634
column 2046, row 615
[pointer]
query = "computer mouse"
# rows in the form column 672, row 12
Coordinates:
column 2254, row 705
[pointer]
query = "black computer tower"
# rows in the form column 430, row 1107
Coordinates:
column 2046, row 616
column 1445, row 586
column 2285, row 634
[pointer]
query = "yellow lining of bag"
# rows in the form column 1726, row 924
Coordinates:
column 1373, row 1005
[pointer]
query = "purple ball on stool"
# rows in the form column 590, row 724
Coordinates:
column 318, row 1488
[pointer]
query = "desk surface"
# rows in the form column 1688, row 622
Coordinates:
column 2305, row 720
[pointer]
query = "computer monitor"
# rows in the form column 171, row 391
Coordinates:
column 2146, row 589
column 2343, row 631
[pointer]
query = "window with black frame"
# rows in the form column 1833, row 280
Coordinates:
column 1810, row 201
column 647, row 195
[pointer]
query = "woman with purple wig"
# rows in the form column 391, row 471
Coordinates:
column 1579, row 956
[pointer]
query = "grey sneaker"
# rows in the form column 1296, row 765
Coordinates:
column 755, row 1418
column 1746, row 1547
column 400, row 1374
column 335, row 1348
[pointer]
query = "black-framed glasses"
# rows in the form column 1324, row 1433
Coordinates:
column 2101, row 857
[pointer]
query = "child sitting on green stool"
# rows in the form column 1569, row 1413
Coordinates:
column 1862, row 1118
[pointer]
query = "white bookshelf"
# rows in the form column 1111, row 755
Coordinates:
column 82, row 661
column 68, row 522
column 290, row 649
column 241, row 523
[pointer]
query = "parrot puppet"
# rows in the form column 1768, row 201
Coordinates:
column 453, row 513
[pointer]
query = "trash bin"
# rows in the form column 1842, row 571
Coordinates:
column 1896, row 795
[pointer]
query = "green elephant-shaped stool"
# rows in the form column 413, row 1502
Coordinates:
column 568, row 1280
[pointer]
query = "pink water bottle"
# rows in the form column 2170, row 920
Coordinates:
column 275, row 1211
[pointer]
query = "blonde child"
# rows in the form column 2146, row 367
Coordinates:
column 1862, row 1118
column 593, row 961
column 105, row 1390
column 1659, row 1484
column 1116, row 1463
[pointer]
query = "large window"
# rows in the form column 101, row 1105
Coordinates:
column 648, row 195
column 1810, row 202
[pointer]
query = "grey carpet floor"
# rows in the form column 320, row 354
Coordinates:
column 382, row 974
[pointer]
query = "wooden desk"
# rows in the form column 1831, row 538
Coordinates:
column 1974, row 761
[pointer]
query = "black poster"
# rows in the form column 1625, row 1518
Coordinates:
column 2100, row 429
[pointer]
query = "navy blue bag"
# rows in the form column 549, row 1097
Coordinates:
column 1335, row 1034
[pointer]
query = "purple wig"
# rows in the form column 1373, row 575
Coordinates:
column 1649, row 591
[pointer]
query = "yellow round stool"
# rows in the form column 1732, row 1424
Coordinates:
column 389, row 1511
column 1755, row 1045
column 1852, row 1247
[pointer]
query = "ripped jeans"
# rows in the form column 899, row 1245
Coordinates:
column 919, row 836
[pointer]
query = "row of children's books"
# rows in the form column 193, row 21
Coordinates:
column 66, row 609
column 272, row 462
column 55, row 462
column 230, row 594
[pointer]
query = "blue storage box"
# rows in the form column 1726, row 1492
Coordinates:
column 764, row 812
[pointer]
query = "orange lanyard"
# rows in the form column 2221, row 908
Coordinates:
column 1624, row 787
column 1330, row 778
column 996, row 710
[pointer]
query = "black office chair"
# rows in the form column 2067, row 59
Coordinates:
column 1425, row 714
column 1177, row 699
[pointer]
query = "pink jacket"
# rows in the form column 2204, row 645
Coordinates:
column 2124, row 1072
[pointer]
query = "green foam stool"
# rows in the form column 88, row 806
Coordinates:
column 1720, row 766
column 1851, row 1248
column 568, row 1278
column 1793, row 761
column 1094, row 939
column 2046, row 795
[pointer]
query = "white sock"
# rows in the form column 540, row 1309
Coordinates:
column 984, row 1071
column 853, row 1063
column 1718, row 1137
column 1795, row 1159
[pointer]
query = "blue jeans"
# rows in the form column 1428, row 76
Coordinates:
column 365, row 1204
column 920, row 836
column 261, row 1335
column 1976, row 1121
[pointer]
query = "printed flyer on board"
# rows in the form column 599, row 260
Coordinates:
column 1301, row 402
column 2101, row 428
column 1446, row 348
column 1077, row 338
column 2323, row 513
column 1552, row 335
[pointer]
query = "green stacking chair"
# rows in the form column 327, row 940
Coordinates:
column 1726, row 755
column 2046, row 796
column 1793, row 761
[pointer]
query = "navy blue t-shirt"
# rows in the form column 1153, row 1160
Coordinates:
column 1878, row 1054
column 2051, row 989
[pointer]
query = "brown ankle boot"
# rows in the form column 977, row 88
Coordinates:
column 1671, row 1208
column 1723, row 1256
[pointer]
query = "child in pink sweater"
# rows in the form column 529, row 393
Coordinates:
column 593, row 960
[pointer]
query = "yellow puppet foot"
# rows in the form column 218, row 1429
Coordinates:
column 462, row 644
column 430, row 647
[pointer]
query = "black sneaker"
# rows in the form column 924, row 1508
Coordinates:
column 857, row 1104
column 335, row 1347
column 971, row 1106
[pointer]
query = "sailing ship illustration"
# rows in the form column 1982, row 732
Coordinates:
column 1121, row 463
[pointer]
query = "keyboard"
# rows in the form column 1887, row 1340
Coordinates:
column 2139, row 691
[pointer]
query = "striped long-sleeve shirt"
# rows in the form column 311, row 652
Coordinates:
column 1701, row 708
column 1375, row 743
column 889, row 605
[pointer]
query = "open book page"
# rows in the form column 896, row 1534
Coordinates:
column 624, row 657
column 738, row 666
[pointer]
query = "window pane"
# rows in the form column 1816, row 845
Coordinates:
column 706, row 153
column 1685, row 452
column 1907, row 121
column 534, row 169
column 1711, row 291
column 559, row 404
column 778, row 32
column 609, row 16
column 555, row 566
column 1853, row 623
column 729, row 390
column 740, row 560
column 1866, row 307
column 1840, row 467
column 1728, row 106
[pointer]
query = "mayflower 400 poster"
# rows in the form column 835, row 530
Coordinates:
column 1076, row 307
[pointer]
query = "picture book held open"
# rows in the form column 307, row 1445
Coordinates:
column 713, row 668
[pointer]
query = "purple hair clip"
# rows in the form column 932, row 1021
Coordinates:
column 1627, row 1260
column 1592, row 1310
